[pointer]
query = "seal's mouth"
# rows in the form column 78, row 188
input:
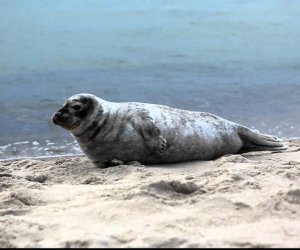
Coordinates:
column 64, row 123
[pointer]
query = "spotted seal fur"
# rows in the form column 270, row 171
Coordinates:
column 152, row 133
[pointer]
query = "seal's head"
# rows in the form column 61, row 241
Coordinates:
column 74, row 111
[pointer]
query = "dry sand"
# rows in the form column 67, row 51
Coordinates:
column 248, row 200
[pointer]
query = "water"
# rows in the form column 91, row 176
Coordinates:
column 237, row 59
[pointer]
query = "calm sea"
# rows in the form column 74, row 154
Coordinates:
column 237, row 59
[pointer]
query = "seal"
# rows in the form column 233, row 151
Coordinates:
column 122, row 132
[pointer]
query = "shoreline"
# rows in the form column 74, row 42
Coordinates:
column 68, row 155
column 239, row 200
column 45, row 157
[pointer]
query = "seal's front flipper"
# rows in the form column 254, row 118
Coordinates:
column 153, row 139
column 159, row 144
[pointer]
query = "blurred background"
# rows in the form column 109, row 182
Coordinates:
column 237, row 59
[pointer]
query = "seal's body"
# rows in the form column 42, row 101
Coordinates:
column 151, row 133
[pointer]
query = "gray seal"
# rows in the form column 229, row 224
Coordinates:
column 152, row 133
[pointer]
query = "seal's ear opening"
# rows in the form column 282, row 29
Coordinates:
column 89, row 106
column 86, row 100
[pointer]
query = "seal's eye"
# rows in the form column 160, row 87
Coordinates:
column 77, row 107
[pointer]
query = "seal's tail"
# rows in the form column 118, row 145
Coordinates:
column 254, row 140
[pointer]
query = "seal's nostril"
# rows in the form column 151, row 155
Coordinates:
column 56, row 117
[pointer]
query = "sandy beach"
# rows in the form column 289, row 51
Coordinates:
column 247, row 200
column 238, row 60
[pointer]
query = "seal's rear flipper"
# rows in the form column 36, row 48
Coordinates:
column 257, row 141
